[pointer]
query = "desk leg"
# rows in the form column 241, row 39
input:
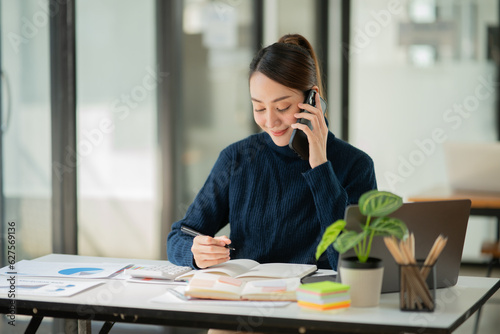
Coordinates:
column 106, row 327
column 35, row 322
column 84, row 327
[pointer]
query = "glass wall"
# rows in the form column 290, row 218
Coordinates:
column 117, row 140
column 417, row 68
column 289, row 17
column 218, row 48
column 26, row 125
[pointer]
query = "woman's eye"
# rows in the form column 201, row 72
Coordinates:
column 259, row 110
column 284, row 109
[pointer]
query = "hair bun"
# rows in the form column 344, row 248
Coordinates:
column 300, row 42
column 296, row 39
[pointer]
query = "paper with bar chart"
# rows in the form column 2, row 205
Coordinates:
column 25, row 286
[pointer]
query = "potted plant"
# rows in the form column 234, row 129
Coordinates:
column 366, row 284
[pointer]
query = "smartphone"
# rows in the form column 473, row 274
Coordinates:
column 298, row 140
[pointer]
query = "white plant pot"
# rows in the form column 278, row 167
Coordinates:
column 364, row 279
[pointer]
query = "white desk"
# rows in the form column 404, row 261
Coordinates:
column 120, row 301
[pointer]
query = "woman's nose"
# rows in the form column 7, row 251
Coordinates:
column 272, row 119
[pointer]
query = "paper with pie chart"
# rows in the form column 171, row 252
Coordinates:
column 62, row 269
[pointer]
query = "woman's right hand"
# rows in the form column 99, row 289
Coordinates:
column 208, row 251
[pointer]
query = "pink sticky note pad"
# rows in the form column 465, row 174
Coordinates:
column 201, row 282
column 230, row 280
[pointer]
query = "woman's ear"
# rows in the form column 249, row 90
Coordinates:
column 316, row 88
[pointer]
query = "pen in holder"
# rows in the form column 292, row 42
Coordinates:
column 417, row 287
column 417, row 291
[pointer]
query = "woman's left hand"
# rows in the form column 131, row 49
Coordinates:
column 317, row 137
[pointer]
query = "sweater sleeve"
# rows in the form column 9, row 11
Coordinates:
column 331, row 197
column 207, row 214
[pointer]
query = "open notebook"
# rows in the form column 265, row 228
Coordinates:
column 210, row 286
column 249, row 270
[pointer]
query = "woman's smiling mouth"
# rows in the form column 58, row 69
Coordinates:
column 278, row 133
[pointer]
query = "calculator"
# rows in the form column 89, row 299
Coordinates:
column 163, row 271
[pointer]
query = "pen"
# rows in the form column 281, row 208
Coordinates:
column 194, row 233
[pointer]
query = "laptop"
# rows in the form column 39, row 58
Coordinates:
column 427, row 220
column 473, row 166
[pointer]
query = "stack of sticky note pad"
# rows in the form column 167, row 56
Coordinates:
column 324, row 295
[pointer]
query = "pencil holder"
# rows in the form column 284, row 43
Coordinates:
column 417, row 287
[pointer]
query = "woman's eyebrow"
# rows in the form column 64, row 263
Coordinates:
column 275, row 100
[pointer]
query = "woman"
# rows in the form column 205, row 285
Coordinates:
column 277, row 204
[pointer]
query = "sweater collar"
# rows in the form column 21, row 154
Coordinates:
column 283, row 150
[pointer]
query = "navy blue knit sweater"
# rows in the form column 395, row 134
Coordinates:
column 276, row 205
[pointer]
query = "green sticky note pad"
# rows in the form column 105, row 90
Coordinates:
column 323, row 287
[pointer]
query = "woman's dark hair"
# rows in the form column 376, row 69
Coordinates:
column 291, row 62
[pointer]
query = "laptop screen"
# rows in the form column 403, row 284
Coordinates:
column 427, row 220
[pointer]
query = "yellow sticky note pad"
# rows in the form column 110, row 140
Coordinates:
column 331, row 306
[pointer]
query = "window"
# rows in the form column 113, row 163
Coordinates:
column 117, row 137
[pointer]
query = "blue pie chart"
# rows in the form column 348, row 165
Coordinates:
column 80, row 271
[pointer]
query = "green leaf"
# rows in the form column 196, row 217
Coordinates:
column 388, row 226
column 379, row 203
column 348, row 240
column 331, row 233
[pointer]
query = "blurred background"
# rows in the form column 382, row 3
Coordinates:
column 161, row 87
column 408, row 64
